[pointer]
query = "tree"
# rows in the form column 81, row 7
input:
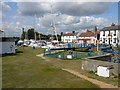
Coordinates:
column 31, row 33
column 113, row 24
column 23, row 34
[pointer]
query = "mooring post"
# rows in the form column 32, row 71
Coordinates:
column 56, row 55
column 62, row 56
column 90, row 53
column 49, row 52
column 103, row 53
column 44, row 51
column 76, row 54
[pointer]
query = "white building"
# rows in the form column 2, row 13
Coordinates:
column 69, row 37
column 88, row 37
column 110, row 35
column 7, row 45
column 2, row 33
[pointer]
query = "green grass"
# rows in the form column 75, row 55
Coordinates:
column 26, row 70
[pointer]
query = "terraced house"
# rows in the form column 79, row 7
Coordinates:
column 89, row 37
column 69, row 37
column 110, row 35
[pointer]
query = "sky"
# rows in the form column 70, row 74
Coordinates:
column 67, row 16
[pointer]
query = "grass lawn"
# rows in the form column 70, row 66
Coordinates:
column 26, row 70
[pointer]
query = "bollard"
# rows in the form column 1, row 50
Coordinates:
column 103, row 53
column 44, row 51
column 90, row 53
column 62, row 57
column 76, row 54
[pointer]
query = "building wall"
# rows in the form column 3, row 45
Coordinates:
column 7, row 47
column 91, row 41
column 91, row 65
column 112, row 39
column 118, row 36
column 68, row 38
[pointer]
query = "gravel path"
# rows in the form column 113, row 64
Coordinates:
column 99, row 83
column 45, row 58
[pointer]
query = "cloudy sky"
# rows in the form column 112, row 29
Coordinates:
column 68, row 16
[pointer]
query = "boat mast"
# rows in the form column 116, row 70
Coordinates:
column 35, row 27
column 53, row 23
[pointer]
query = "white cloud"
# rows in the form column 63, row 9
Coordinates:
column 66, row 23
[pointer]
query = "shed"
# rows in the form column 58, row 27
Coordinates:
column 7, row 45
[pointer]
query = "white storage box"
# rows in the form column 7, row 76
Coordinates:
column 69, row 56
column 103, row 71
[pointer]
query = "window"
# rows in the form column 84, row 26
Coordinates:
column 109, row 33
column 118, row 40
column 114, row 32
column 114, row 40
column 103, row 40
column 103, row 33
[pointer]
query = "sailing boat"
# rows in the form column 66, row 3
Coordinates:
column 20, row 42
column 53, row 28
column 35, row 43
column 26, row 41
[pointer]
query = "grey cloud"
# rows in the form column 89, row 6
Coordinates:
column 32, row 8
column 82, row 9
column 69, row 8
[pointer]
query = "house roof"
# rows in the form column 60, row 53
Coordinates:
column 111, row 28
column 71, row 34
column 88, row 34
column 68, row 34
column 84, row 39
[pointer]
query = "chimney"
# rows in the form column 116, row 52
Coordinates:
column 61, row 33
column 95, row 29
column 73, row 32
column 87, row 30
column 113, row 24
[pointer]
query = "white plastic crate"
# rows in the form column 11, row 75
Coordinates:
column 103, row 71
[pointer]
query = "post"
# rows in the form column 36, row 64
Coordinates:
column 62, row 56
column 44, row 51
column 97, row 46
column 76, row 54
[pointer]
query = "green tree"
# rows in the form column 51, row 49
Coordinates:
column 31, row 33
column 23, row 34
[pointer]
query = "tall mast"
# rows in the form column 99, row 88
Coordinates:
column 26, row 35
column 53, row 22
column 35, row 27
